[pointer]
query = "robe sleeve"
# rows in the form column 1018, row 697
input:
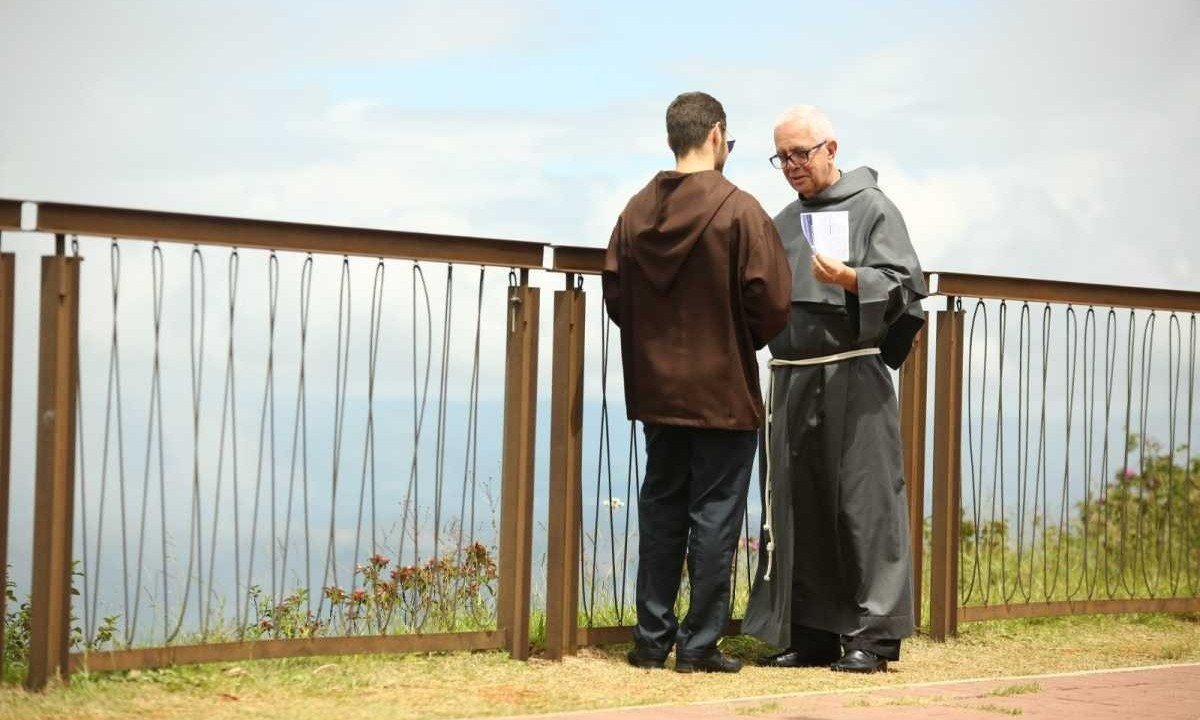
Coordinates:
column 890, row 281
column 766, row 279
column 611, row 277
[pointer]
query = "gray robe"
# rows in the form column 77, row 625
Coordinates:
column 841, row 561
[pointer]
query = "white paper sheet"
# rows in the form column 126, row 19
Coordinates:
column 828, row 233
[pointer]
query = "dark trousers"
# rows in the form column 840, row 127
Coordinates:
column 692, row 504
column 823, row 642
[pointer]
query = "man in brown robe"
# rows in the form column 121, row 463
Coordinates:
column 697, row 280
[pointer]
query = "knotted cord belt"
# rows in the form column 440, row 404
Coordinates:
column 768, row 494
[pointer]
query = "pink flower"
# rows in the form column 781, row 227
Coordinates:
column 405, row 574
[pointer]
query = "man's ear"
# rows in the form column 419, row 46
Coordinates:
column 832, row 147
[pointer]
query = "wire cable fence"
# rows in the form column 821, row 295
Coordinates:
column 330, row 481
column 1080, row 480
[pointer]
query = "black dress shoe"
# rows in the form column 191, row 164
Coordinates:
column 793, row 658
column 859, row 661
column 647, row 658
column 712, row 661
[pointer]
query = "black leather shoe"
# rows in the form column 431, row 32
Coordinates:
column 793, row 658
column 712, row 661
column 646, row 658
column 859, row 661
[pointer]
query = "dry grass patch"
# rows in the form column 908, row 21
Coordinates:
column 1010, row 690
column 759, row 709
column 489, row 684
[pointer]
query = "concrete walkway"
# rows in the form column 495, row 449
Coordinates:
column 1163, row 693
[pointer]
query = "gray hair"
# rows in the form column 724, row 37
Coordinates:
column 809, row 116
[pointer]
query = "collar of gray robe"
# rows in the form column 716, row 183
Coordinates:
column 849, row 184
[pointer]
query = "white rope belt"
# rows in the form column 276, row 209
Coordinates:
column 775, row 364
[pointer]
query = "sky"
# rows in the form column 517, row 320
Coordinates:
column 1012, row 135
column 1036, row 139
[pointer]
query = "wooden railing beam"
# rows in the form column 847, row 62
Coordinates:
column 300, row 237
column 10, row 214
column 1057, row 291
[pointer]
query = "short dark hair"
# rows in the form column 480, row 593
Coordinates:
column 690, row 117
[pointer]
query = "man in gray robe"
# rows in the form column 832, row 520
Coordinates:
column 834, row 580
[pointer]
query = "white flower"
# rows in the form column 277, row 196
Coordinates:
column 614, row 503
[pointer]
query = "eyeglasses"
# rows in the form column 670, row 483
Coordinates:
column 801, row 156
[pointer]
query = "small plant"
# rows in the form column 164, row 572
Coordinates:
column 16, row 634
column 18, row 624
column 289, row 618
column 444, row 594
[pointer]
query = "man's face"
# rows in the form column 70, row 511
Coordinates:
column 818, row 173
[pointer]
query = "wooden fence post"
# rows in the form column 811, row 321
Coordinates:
column 54, row 505
column 914, row 383
column 566, row 471
column 947, row 473
column 516, row 499
column 7, row 279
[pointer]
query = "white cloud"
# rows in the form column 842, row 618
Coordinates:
column 1047, row 140
column 138, row 103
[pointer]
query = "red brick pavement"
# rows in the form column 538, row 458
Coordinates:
column 1161, row 693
